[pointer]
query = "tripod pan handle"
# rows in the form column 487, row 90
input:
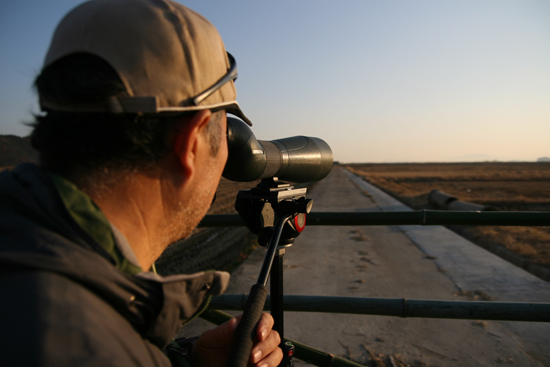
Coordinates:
column 246, row 331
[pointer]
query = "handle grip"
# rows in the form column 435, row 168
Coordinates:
column 245, row 334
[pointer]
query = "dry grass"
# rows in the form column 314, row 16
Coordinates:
column 502, row 186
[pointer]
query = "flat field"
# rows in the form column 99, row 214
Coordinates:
column 502, row 186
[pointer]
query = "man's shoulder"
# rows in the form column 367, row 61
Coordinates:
column 25, row 189
column 63, row 322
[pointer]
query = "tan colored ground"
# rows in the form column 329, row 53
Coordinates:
column 503, row 186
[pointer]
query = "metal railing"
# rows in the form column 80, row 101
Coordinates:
column 414, row 217
column 504, row 311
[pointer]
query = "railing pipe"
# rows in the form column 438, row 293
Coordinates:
column 401, row 307
column 413, row 217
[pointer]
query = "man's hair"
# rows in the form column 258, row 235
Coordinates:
column 86, row 144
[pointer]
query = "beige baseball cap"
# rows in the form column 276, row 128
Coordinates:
column 170, row 58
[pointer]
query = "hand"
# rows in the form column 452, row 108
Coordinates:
column 213, row 346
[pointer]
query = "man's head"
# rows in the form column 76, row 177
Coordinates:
column 165, row 54
column 121, row 77
column 88, row 147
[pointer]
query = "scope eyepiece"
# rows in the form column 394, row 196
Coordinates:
column 294, row 159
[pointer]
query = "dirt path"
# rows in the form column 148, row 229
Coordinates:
column 383, row 262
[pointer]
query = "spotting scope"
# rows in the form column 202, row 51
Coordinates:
column 294, row 159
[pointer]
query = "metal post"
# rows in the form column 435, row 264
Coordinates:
column 276, row 298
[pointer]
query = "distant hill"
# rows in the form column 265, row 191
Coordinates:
column 15, row 150
column 543, row 159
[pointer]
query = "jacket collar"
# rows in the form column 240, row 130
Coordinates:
column 92, row 220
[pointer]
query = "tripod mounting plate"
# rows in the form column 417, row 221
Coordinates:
column 261, row 207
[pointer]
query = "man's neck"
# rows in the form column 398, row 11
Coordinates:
column 133, row 207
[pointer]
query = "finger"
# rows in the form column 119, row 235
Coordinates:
column 231, row 326
column 273, row 359
column 264, row 326
column 266, row 347
column 221, row 334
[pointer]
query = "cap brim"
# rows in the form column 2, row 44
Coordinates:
column 121, row 105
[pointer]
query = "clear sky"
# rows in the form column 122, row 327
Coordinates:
column 380, row 81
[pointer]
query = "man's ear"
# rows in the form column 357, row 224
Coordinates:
column 188, row 140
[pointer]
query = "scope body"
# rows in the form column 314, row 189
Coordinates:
column 294, row 159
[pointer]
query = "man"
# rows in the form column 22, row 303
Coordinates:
column 132, row 146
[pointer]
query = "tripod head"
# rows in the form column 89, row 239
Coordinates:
column 261, row 207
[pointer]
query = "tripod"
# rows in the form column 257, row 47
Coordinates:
column 276, row 212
